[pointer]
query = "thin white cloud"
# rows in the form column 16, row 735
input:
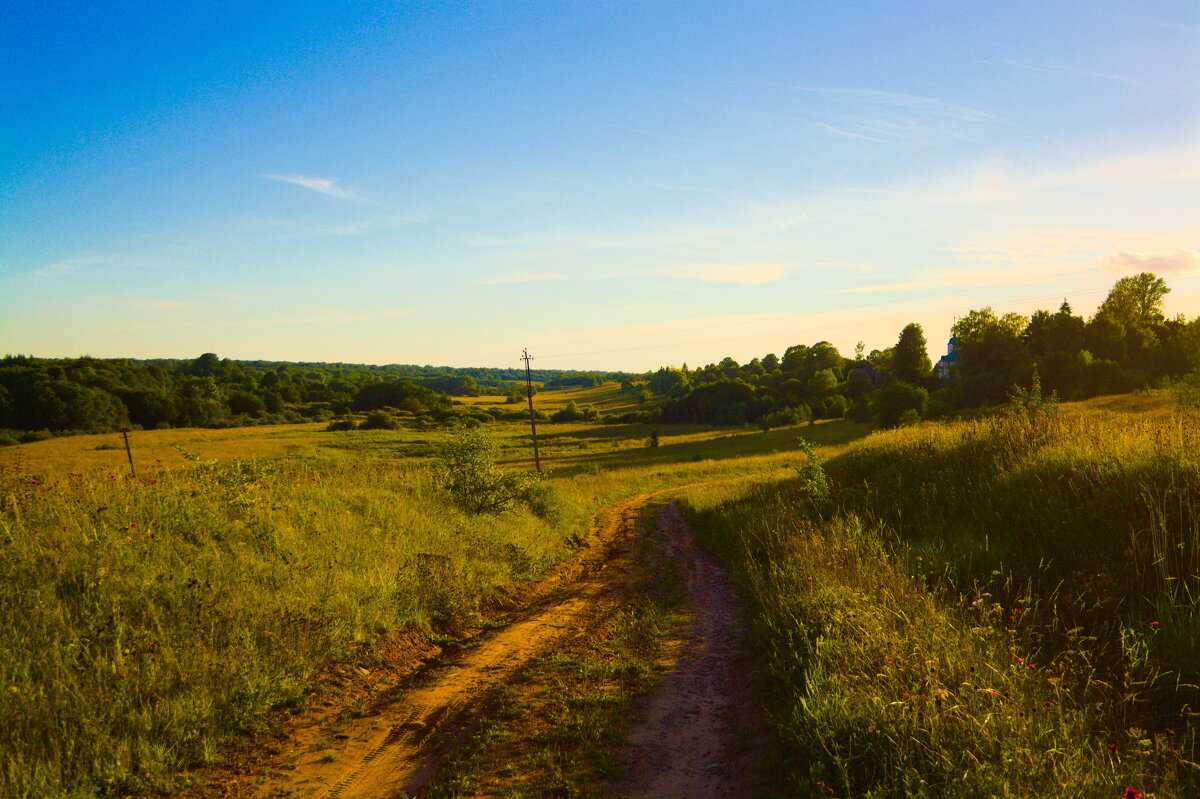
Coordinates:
column 956, row 278
column 1171, row 263
column 327, row 186
column 723, row 273
column 323, row 318
column 523, row 277
column 847, row 133
column 1062, row 69
column 71, row 265
column 155, row 305
column 914, row 102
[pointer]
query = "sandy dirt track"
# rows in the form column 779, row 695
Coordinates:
column 684, row 748
column 695, row 741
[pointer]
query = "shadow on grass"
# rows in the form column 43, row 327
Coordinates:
column 736, row 443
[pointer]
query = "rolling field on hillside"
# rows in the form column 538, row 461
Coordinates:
column 149, row 620
column 1005, row 606
column 1009, row 606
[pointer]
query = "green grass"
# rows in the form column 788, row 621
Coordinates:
column 144, row 623
column 991, row 608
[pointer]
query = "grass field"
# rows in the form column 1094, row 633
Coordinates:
column 606, row 398
column 1005, row 607
column 149, row 620
column 985, row 608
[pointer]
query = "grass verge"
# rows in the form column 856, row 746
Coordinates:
column 1005, row 607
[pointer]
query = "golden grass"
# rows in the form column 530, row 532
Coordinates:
column 145, row 622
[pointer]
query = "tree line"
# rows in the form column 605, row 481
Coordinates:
column 1128, row 344
column 45, row 396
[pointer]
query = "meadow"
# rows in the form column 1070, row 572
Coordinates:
column 149, row 621
column 1000, row 607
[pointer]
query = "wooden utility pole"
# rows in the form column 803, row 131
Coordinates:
column 537, row 460
column 129, row 454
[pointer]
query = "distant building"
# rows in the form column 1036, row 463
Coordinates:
column 947, row 361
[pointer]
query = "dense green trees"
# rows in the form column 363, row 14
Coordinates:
column 910, row 357
column 96, row 395
column 1127, row 344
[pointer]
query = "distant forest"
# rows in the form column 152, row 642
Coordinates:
column 40, row 397
column 1127, row 345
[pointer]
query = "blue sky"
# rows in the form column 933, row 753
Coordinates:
column 612, row 185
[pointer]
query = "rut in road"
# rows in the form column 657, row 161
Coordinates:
column 695, row 741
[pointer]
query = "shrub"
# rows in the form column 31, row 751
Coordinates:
column 571, row 413
column 469, row 473
column 378, row 420
column 345, row 423
column 1186, row 391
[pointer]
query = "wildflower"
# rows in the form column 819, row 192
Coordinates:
column 1112, row 747
column 1021, row 660
column 1154, row 624
column 1133, row 793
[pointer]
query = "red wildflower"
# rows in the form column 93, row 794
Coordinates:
column 1154, row 624
column 1133, row 793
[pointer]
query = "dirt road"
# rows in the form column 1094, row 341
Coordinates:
column 685, row 748
column 696, row 739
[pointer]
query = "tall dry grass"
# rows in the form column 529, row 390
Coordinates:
column 146, row 622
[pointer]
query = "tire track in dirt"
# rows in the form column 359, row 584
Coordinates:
column 695, row 741
column 395, row 751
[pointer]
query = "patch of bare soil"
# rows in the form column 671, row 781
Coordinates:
column 393, row 744
column 697, row 738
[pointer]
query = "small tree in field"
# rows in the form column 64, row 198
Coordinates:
column 468, row 471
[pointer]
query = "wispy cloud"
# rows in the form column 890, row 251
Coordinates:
column 327, row 186
column 840, row 132
column 155, row 305
column 1171, row 263
column 883, row 116
column 901, row 100
column 359, row 227
column 323, row 318
column 963, row 278
column 523, row 277
column 70, row 265
column 1062, row 69
column 722, row 273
